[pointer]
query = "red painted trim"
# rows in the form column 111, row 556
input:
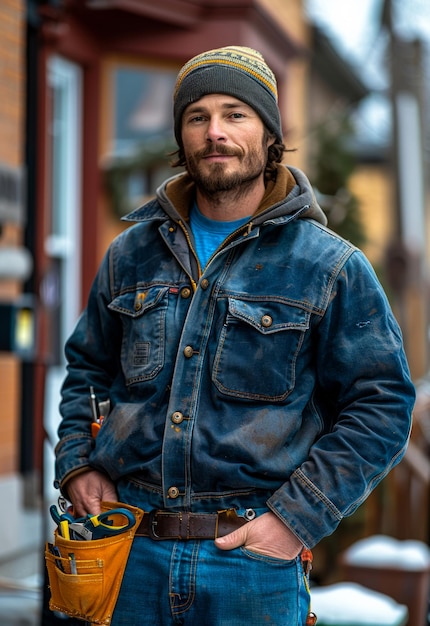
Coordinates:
column 177, row 12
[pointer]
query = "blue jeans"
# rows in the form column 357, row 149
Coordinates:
column 193, row 583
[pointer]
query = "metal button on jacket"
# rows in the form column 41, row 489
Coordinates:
column 173, row 492
column 177, row 417
column 266, row 321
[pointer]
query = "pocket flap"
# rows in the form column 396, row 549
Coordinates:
column 135, row 303
column 269, row 316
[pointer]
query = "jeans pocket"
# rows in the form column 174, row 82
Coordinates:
column 266, row 558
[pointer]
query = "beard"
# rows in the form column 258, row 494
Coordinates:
column 218, row 180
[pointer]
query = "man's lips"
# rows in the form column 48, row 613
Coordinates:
column 218, row 157
column 218, row 153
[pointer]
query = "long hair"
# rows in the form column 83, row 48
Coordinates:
column 275, row 154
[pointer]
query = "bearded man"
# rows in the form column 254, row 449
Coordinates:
column 257, row 380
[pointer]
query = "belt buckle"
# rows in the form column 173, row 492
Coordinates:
column 152, row 525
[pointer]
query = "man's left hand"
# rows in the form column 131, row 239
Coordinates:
column 265, row 535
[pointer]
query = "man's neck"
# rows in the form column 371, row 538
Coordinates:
column 231, row 205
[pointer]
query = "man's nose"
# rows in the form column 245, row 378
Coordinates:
column 215, row 131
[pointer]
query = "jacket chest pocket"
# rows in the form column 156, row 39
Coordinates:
column 143, row 315
column 258, row 348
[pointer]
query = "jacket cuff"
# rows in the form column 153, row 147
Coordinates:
column 307, row 512
column 72, row 455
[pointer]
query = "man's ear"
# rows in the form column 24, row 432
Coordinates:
column 271, row 139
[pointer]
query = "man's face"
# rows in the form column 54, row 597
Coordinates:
column 224, row 143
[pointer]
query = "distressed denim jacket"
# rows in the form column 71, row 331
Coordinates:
column 274, row 377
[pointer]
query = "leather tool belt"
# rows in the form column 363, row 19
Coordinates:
column 159, row 525
column 86, row 586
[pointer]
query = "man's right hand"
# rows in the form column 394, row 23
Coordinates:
column 87, row 490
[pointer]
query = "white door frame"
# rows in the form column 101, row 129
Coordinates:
column 63, row 244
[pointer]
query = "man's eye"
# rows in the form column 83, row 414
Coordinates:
column 237, row 115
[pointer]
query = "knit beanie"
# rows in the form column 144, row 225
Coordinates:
column 236, row 71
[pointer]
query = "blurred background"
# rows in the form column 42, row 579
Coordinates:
column 85, row 127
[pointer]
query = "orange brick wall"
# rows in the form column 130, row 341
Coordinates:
column 12, row 81
column 9, row 424
column 12, row 49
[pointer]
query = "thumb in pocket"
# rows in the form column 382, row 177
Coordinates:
column 232, row 540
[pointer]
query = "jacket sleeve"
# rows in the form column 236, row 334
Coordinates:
column 364, row 396
column 92, row 357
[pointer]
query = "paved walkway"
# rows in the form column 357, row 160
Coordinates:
column 21, row 575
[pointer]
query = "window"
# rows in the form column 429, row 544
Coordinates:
column 141, row 133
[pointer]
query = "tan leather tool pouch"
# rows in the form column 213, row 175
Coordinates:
column 91, row 592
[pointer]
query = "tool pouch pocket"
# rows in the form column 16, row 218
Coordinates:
column 85, row 576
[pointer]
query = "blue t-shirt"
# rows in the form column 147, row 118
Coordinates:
column 209, row 234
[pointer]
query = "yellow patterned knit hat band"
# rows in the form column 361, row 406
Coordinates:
column 234, row 70
column 237, row 57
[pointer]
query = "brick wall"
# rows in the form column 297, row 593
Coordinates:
column 12, row 81
column 12, row 50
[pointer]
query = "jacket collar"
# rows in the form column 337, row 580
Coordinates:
column 291, row 194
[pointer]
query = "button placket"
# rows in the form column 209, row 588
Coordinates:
column 178, row 436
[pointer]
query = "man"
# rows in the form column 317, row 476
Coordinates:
column 252, row 364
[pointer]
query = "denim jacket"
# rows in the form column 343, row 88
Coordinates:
column 274, row 377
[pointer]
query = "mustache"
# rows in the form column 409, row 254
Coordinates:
column 217, row 149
